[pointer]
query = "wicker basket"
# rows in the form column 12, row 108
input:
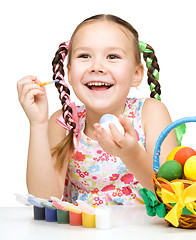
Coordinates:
column 185, row 221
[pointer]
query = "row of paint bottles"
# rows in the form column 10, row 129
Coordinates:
column 101, row 219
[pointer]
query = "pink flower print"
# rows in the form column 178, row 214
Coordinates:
column 78, row 171
column 86, row 173
column 81, row 114
column 108, row 188
column 85, row 183
column 120, row 194
column 134, row 101
column 94, row 177
column 99, row 151
column 96, row 199
column 114, row 194
column 79, row 156
column 95, row 190
column 127, row 191
column 114, row 177
column 82, row 175
column 127, row 178
column 101, row 202
column 132, row 115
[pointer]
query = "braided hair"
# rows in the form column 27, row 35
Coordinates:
column 153, row 69
column 64, row 92
column 65, row 149
column 66, row 146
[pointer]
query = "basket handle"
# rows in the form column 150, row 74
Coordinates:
column 163, row 135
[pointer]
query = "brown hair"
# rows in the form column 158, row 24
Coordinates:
column 64, row 150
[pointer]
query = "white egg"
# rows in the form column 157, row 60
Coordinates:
column 109, row 118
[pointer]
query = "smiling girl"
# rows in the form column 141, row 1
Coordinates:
column 70, row 154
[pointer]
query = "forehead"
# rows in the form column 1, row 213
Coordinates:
column 102, row 32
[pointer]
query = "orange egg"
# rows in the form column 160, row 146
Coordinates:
column 167, row 187
column 183, row 154
column 173, row 152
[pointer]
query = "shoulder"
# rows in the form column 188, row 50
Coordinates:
column 149, row 102
column 55, row 115
column 56, row 132
column 154, row 112
column 153, row 106
column 155, row 118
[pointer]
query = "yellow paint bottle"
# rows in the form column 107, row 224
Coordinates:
column 88, row 220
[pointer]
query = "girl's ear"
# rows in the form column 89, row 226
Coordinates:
column 139, row 73
column 69, row 74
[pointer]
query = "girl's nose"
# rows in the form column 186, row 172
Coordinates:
column 97, row 67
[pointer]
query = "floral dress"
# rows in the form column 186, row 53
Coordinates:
column 97, row 177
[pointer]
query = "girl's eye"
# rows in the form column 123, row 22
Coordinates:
column 83, row 56
column 113, row 56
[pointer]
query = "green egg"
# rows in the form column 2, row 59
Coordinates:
column 170, row 170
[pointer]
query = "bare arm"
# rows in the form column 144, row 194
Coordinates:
column 43, row 180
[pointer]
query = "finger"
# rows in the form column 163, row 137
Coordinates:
column 103, row 138
column 25, row 80
column 117, row 136
column 27, row 87
column 126, row 123
column 30, row 95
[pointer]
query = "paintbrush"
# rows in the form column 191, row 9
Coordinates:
column 46, row 83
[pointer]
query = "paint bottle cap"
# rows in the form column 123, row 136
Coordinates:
column 22, row 199
column 85, row 207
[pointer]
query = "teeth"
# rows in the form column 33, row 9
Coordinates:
column 98, row 84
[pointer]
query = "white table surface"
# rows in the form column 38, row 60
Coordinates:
column 132, row 222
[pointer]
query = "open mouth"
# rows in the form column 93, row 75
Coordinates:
column 98, row 86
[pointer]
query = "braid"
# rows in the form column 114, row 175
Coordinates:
column 64, row 92
column 153, row 69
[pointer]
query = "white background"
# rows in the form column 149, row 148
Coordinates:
column 30, row 32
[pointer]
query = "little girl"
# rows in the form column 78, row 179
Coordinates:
column 71, row 154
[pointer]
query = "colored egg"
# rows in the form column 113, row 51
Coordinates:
column 190, row 168
column 173, row 153
column 183, row 154
column 170, row 170
column 109, row 118
column 167, row 187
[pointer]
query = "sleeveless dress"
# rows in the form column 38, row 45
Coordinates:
column 97, row 177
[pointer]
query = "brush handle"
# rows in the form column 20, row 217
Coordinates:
column 45, row 83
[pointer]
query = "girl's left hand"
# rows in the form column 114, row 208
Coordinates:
column 117, row 145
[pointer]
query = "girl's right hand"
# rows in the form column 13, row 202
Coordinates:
column 33, row 99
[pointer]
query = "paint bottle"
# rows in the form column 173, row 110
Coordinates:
column 103, row 218
column 39, row 213
column 50, row 214
column 75, row 219
column 88, row 220
column 62, row 216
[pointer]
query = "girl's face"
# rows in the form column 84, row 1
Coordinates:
column 102, row 67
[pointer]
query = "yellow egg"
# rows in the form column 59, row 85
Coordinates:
column 190, row 168
column 173, row 152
